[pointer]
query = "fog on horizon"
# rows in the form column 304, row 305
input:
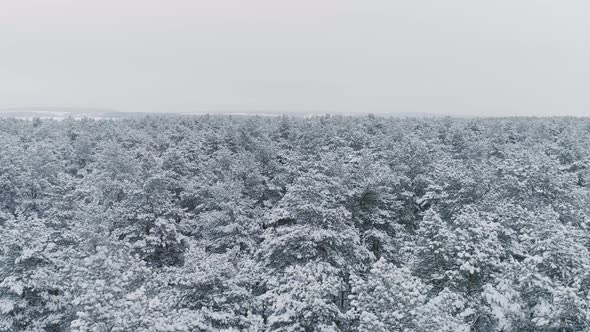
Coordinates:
column 454, row 57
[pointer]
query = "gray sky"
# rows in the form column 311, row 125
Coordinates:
column 501, row 57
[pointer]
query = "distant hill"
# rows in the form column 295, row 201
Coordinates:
column 66, row 112
column 98, row 113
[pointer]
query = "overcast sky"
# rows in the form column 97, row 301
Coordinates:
column 501, row 57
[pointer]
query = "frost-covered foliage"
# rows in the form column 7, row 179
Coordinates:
column 263, row 224
column 390, row 298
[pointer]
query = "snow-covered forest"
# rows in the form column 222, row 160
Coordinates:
column 329, row 223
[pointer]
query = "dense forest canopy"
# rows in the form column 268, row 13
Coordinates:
column 329, row 223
